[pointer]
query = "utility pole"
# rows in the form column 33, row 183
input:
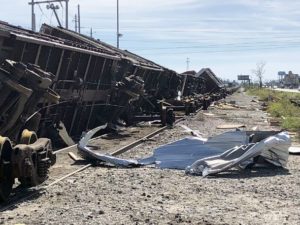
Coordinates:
column 33, row 3
column 91, row 34
column 54, row 8
column 75, row 23
column 187, row 64
column 118, row 33
column 79, row 19
column 67, row 14
column 32, row 16
column 185, row 77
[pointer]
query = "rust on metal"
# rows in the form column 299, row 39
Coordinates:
column 58, row 84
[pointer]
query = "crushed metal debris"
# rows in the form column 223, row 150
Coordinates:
column 199, row 156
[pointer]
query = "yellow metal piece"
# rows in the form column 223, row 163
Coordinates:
column 28, row 137
column 1, row 145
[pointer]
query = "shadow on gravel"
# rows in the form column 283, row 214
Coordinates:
column 19, row 195
column 116, row 136
column 252, row 173
column 80, row 162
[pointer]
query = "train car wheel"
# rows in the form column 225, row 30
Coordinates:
column 41, row 160
column 6, row 181
column 28, row 137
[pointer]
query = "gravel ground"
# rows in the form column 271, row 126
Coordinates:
column 106, row 195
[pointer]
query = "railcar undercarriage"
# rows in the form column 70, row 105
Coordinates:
column 59, row 84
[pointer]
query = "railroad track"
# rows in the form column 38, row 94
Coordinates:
column 21, row 197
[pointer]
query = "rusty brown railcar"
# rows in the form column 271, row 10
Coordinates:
column 160, row 82
column 84, row 77
column 58, row 83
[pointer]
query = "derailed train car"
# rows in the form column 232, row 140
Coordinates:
column 212, row 83
column 159, row 82
column 80, row 90
column 91, row 87
column 93, row 79
column 58, row 83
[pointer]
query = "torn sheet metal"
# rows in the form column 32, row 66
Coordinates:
column 273, row 149
column 90, row 152
column 183, row 153
column 200, row 157
column 177, row 155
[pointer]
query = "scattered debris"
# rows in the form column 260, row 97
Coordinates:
column 209, row 114
column 230, row 126
column 254, row 128
column 294, row 150
column 195, row 133
column 73, row 156
column 273, row 149
column 254, row 100
column 274, row 122
column 201, row 156
column 226, row 106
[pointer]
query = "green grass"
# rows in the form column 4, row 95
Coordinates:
column 291, row 123
column 279, row 106
column 268, row 94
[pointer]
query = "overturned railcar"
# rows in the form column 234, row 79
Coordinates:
column 192, row 84
column 86, row 78
column 58, row 83
column 159, row 82
column 212, row 83
column 96, row 82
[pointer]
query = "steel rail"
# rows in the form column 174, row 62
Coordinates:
column 116, row 153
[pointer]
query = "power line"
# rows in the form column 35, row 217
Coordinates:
column 245, row 44
column 225, row 51
column 200, row 40
column 205, row 31
column 33, row 3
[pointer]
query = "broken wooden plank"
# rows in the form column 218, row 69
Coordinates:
column 230, row 126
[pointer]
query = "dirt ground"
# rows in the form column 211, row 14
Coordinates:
column 106, row 195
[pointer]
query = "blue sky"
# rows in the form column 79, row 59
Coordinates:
column 229, row 36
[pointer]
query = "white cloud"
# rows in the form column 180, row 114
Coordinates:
column 212, row 25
